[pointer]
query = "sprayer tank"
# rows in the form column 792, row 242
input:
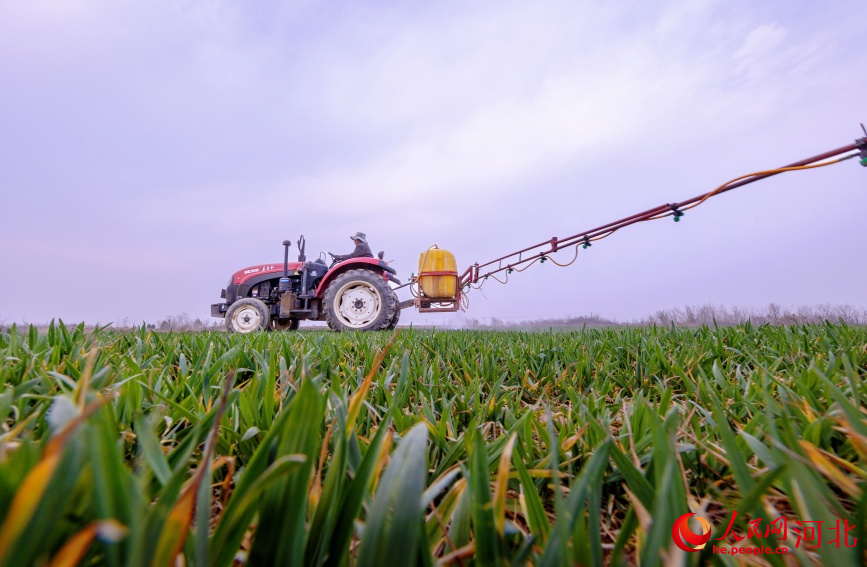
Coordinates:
column 438, row 274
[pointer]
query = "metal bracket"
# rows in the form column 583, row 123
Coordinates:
column 404, row 304
column 437, row 305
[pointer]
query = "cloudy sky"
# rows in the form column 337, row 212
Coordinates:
column 150, row 149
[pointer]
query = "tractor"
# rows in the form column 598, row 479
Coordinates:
column 352, row 295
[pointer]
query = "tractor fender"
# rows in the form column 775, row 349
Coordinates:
column 373, row 264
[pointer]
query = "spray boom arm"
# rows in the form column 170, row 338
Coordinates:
column 540, row 252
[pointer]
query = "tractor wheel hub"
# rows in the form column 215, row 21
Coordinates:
column 358, row 304
column 247, row 319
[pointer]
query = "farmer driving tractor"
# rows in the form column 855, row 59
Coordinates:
column 362, row 250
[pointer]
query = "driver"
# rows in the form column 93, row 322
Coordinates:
column 362, row 250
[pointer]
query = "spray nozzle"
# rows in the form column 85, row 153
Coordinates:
column 861, row 144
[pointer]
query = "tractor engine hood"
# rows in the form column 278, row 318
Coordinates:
column 275, row 268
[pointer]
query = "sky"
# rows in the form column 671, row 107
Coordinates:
column 150, row 149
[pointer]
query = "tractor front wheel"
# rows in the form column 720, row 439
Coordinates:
column 247, row 315
column 359, row 300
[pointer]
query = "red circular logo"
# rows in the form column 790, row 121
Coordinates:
column 685, row 538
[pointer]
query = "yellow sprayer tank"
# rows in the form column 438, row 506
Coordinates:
column 438, row 273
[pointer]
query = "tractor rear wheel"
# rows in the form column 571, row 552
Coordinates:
column 359, row 300
column 396, row 317
column 248, row 315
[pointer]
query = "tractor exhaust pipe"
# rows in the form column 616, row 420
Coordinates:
column 286, row 245
column 284, row 281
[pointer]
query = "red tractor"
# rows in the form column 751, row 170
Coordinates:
column 353, row 295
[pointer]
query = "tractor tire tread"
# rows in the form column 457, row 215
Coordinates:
column 396, row 317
